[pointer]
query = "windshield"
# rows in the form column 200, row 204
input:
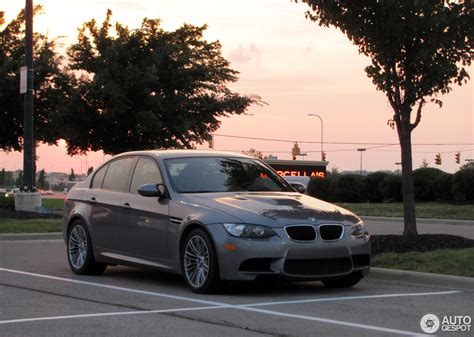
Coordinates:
column 215, row 174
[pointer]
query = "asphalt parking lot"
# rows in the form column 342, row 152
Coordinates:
column 39, row 296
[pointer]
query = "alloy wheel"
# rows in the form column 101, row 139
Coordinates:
column 77, row 247
column 196, row 261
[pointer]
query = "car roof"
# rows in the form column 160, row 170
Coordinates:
column 167, row 154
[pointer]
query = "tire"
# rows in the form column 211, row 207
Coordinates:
column 198, row 253
column 79, row 251
column 344, row 282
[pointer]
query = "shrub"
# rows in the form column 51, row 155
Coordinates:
column 375, row 186
column 443, row 185
column 463, row 185
column 7, row 203
column 349, row 188
column 424, row 181
column 392, row 188
column 319, row 188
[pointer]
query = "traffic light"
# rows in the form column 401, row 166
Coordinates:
column 295, row 151
column 323, row 156
column 458, row 157
column 438, row 159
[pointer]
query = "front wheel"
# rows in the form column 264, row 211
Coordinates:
column 79, row 251
column 344, row 282
column 199, row 262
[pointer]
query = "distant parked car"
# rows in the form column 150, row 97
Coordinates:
column 11, row 193
column 303, row 180
column 210, row 216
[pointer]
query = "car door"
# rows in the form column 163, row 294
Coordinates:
column 105, row 197
column 145, row 219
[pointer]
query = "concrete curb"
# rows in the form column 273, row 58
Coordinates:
column 421, row 220
column 31, row 236
column 413, row 277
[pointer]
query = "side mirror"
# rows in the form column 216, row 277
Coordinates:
column 152, row 190
column 300, row 188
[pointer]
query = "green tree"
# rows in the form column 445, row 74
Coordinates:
column 147, row 88
column 49, row 81
column 253, row 153
column 419, row 49
column 19, row 180
column 72, row 175
column 9, row 181
column 3, row 176
column 41, row 182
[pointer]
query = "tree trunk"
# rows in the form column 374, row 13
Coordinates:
column 408, row 190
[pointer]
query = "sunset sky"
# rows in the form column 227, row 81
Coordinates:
column 295, row 66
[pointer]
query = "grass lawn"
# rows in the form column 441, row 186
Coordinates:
column 30, row 226
column 431, row 210
column 54, row 203
column 458, row 262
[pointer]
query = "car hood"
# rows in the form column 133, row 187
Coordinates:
column 273, row 209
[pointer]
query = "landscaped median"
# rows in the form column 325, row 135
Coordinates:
column 427, row 210
column 430, row 253
column 459, row 262
column 17, row 226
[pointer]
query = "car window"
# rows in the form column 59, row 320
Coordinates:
column 117, row 175
column 99, row 177
column 146, row 172
column 214, row 174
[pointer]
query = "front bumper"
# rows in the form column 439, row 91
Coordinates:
column 281, row 257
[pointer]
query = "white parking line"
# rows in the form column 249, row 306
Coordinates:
column 348, row 298
column 105, row 314
column 221, row 305
column 100, row 285
column 333, row 321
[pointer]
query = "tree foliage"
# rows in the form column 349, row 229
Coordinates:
column 42, row 180
column 49, row 81
column 147, row 88
column 418, row 50
column 72, row 175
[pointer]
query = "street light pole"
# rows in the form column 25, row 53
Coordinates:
column 28, row 138
column 361, row 150
column 322, row 137
column 398, row 165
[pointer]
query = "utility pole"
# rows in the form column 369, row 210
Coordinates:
column 28, row 138
column 361, row 150
column 323, row 155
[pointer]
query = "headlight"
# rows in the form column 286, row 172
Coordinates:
column 359, row 231
column 248, row 231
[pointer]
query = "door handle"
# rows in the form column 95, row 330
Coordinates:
column 92, row 200
column 126, row 205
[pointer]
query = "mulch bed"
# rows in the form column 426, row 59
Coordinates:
column 420, row 243
column 9, row 214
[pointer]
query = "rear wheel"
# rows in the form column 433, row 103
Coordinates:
column 344, row 282
column 199, row 262
column 79, row 251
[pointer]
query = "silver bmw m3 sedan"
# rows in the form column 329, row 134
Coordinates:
column 211, row 216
